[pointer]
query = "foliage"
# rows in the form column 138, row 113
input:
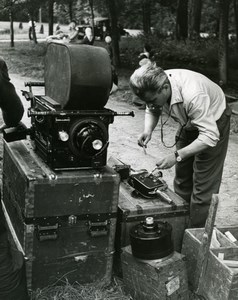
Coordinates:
column 200, row 55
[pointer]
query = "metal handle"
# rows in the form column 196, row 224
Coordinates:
column 34, row 83
column 165, row 197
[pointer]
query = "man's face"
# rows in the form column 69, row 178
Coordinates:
column 159, row 98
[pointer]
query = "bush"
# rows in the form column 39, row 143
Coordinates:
column 171, row 53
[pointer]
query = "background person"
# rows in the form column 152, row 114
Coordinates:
column 88, row 38
column 73, row 32
column 10, row 103
column 12, row 267
column 108, row 41
column 199, row 107
column 146, row 56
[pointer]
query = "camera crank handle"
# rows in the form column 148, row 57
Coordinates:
column 165, row 197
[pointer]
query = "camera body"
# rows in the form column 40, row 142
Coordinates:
column 70, row 122
column 70, row 139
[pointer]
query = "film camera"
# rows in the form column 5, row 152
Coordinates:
column 70, row 123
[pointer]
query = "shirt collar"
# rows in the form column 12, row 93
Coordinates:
column 175, row 92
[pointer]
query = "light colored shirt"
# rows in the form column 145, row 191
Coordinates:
column 196, row 102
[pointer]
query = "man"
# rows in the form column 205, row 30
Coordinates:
column 199, row 107
column 12, row 271
column 10, row 103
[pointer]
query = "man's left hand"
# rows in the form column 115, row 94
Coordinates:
column 166, row 162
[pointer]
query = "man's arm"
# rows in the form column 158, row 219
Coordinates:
column 151, row 120
column 10, row 103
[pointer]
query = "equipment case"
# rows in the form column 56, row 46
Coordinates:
column 133, row 210
column 64, row 222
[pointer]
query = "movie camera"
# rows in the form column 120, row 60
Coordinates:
column 69, row 124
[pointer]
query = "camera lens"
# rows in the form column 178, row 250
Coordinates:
column 88, row 137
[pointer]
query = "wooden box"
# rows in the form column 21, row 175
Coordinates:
column 221, row 281
column 190, row 248
column 133, row 210
column 234, row 233
column 64, row 222
column 155, row 279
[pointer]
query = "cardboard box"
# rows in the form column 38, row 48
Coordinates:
column 155, row 279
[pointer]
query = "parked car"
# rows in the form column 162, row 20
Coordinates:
column 102, row 28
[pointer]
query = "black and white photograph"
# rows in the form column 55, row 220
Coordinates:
column 118, row 150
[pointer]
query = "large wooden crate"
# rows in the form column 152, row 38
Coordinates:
column 191, row 244
column 221, row 281
column 155, row 279
column 65, row 222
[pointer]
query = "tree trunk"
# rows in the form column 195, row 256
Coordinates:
column 92, row 14
column 111, row 4
column 11, row 29
column 71, row 10
column 223, row 41
column 195, row 20
column 51, row 16
column 34, row 31
column 236, row 20
column 146, row 16
column 182, row 20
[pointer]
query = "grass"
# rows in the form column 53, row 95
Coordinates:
column 82, row 292
column 25, row 59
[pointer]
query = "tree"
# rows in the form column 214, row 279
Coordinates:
column 182, row 20
column 32, row 6
column 236, row 20
column 51, row 16
column 146, row 5
column 10, row 7
column 111, row 4
column 195, row 18
column 223, row 40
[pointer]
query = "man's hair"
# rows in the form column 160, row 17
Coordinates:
column 147, row 78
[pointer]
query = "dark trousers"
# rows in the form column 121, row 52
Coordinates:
column 199, row 177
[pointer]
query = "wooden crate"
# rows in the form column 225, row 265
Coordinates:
column 190, row 248
column 233, row 230
column 132, row 209
column 155, row 279
column 221, row 281
column 65, row 222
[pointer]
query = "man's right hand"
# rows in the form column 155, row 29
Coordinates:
column 143, row 139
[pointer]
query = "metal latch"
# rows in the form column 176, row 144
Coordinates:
column 47, row 232
column 98, row 228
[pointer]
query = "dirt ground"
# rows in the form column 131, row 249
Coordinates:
column 123, row 145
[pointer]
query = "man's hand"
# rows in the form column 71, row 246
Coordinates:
column 143, row 139
column 166, row 162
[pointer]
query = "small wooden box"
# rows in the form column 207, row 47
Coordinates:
column 190, row 248
column 233, row 230
column 155, row 279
